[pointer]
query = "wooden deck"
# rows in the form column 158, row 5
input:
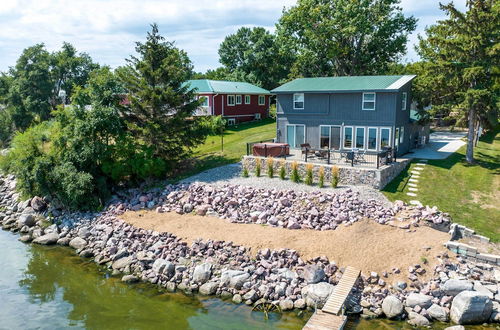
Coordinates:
column 330, row 317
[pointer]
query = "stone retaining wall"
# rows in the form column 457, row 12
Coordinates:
column 377, row 178
column 457, row 231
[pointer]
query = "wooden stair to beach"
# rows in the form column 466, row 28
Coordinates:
column 330, row 317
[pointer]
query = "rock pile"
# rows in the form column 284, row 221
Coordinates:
column 464, row 291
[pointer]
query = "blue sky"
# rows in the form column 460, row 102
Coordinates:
column 107, row 29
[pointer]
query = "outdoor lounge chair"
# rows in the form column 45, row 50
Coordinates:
column 305, row 147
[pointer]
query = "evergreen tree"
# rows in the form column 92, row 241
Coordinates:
column 160, row 107
column 463, row 53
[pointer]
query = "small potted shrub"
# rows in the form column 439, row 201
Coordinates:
column 335, row 176
column 258, row 167
column 321, row 177
column 270, row 167
column 295, row 176
column 282, row 170
column 309, row 175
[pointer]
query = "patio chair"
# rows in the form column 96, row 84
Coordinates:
column 304, row 148
column 360, row 156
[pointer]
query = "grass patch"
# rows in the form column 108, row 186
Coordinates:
column 210, row 154
column 469, row 193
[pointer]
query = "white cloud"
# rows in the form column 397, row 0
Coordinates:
column 107, row 29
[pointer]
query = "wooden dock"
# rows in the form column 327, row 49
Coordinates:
column 331, row 316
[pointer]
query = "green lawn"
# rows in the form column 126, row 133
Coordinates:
column 470, row 194
column 210, row 155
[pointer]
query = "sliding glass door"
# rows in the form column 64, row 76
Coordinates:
column 329, row 137
column 295, row 135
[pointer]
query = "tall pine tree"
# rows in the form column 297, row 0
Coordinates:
column 463, row 51
column 159, row 111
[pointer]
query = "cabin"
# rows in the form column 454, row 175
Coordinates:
column 234, row 101
column 366, row 113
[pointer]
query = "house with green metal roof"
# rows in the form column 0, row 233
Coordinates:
column 234, row 100
column 369, row 113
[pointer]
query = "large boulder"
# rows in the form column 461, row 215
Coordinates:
column 234, row 278
column 392, row 307
column 38, row 204
column 202, row 273
column 452, row 287
column 209, row 288
column 438, row 313
column 469, row 307
column 26, row 220
column 162, row 266
column 313, row 274
column 418, row 299
column 317, row 294
column 417, row 320
column 47, row 239
column 122, row 263
column 78, row 243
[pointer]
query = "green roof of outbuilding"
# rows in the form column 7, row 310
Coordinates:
column 225, row 87
column 350, row 83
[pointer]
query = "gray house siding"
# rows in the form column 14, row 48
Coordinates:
column 345, row 109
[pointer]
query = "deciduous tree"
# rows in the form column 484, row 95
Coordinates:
column 344, row 37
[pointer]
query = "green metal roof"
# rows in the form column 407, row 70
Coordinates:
column 225, row 87
column 351, row 83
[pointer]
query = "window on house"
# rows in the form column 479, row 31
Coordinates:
column 396, row 137
column 231, row 121
column 324, row 138
column 404, row 98
column 372, row 138
column 298, row 101
column 262, row 100
column 368, row 101
column 348, row 137
column 247, row 99
column 360, row 137
column 402, row 135
column 238, row 99
column 385, row 137
column 203, row 101
column 230, row 100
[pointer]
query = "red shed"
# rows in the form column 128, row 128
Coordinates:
column 235, row 101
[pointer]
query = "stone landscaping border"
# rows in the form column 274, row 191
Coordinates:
column 376, row 178
column 458, row 231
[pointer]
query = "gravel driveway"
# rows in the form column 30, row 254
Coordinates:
column 231, row 174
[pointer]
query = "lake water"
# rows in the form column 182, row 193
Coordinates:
column 52, row 288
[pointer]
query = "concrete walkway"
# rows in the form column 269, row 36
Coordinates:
column 440, row 146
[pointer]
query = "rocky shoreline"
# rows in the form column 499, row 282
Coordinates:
column 459, row 290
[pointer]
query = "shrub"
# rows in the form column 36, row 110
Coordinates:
column 295, row 176
column 258, row 166
column 244, row 173
column 270, row 167
column 334, row 180
column 321, row 178
column 283, row 170
column 309, row 174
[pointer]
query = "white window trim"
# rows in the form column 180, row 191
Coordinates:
column 303, row 101
column 404, row 97
column 352, row 138
column 401, row 134
column 295, row 133
column 355, row 138
column 330, row 134
column 234, row 100
column 376, row 138
column 231, row 121
column 396, row 137
column 257, row 116
column 264, row 98
column 374, row 101
column 206, row 97
column 379, row 142
column 249, row 99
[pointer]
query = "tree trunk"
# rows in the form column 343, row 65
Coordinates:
column 469, row 156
